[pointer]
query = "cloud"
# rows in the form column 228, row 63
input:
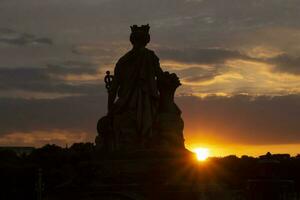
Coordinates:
column 94, row 49
column 71, row 67
column 201, row 56
column 286, row 63
column 235, row 76
column 40, row 138
column 12, row 37
column 198, row 74
column 65, row 79
column 242, row 119
column 74, row 114
column 238, row 119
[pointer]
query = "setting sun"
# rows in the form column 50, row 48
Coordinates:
column 201, row 153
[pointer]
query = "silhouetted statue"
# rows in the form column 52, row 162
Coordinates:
column 135, row 85
column 134, row 99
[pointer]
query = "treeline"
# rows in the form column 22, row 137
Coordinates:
column 19, row 173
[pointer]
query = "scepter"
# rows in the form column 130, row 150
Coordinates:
column 108, row 80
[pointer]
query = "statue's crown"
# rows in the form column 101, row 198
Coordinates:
column 142, row 28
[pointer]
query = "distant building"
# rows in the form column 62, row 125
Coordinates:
column 275, row 156
column 281, row 156
column 268, row 184
column 18, row 150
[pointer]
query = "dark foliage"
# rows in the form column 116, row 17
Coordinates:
column 59, row 166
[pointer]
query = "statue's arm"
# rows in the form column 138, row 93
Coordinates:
column 159, row 72
column 112, row 94
column 111, row 97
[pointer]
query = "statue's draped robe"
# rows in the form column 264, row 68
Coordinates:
column 136, row 75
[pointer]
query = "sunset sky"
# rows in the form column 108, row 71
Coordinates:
column 238, row 61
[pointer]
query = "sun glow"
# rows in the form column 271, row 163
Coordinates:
column 201, row 153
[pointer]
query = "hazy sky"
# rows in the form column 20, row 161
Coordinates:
column 239, row 62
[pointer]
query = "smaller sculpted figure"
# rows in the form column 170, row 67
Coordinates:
column 169, row 124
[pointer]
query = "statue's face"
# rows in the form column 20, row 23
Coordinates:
column 169, row 82
column 175, row 80
column 139, row 39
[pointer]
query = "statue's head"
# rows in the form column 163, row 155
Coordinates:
column 140, row 35
column 168, row 83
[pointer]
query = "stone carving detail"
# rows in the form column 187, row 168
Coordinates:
column 169, row 122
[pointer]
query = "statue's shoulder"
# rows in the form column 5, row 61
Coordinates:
column 152, row 53
column 125, row 58
column 132, row 54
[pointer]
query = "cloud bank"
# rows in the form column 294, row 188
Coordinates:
column 238, row 62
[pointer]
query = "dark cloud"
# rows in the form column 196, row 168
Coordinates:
column 6, row 31
column 69, row 114
column 286, row 63
column 43, row 41
column 47, row 79
column 237, row 119
column 98, row 50
column 213, row 61
column 201, row 56
column 200, row 78
column 243, row 119
column 71, row 67
column 198, row 74
column 283, row 63
column 12, row 37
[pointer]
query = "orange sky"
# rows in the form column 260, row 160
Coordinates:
column 221, row 149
